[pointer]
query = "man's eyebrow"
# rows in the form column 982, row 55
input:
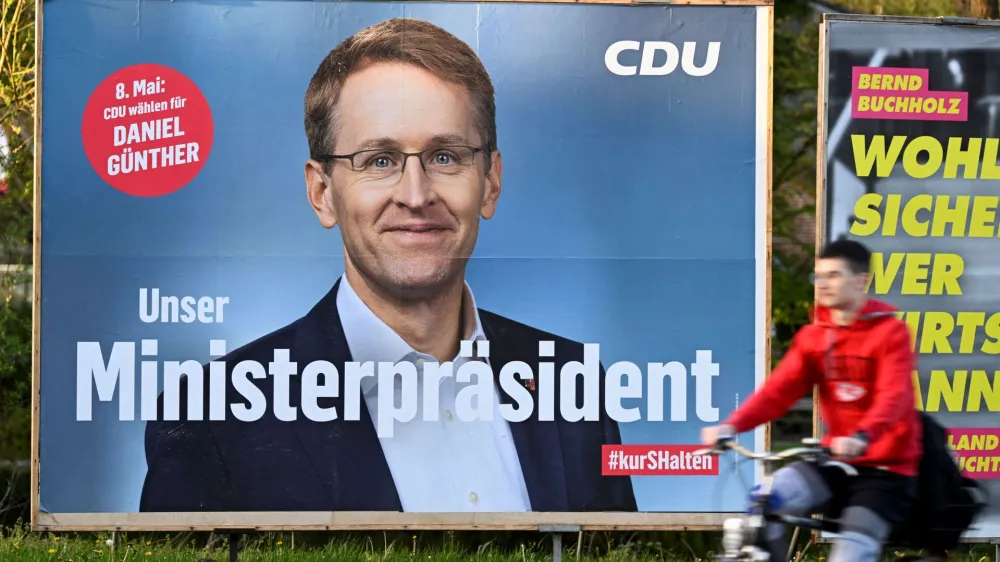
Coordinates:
column 438, row 140
column 381, row 142
column 393, row 144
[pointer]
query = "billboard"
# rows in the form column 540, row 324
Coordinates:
column 331, row 265
column 908, row 165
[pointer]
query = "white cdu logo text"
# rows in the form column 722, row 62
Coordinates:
column 649, row 49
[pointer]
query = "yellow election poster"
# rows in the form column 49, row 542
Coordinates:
column 910, row 134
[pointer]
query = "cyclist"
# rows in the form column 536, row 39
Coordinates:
column 859, row 355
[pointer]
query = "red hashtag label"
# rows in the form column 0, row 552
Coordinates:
column 657, row 460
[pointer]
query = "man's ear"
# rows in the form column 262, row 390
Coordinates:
column 494, row 178
column 318, row 192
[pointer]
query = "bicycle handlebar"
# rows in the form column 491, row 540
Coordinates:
column 815, row 454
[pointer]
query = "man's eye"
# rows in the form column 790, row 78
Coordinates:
column 444, row 158
column 380, row 162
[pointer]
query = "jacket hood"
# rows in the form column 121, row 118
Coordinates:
column 871, row 312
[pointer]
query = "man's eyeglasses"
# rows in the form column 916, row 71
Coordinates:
column 440, row 162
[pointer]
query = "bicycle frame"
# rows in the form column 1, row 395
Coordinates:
column 740, row 535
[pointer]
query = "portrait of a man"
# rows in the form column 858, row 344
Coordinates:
column 404, row 160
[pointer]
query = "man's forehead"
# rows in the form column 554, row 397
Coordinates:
column 832, row 264
column 401, row 102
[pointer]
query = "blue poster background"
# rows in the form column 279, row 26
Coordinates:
column 627, row 216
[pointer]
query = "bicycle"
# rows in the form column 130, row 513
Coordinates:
column 740, row 540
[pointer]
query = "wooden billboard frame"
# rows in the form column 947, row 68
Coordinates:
column 386, row 521
column 821, row 145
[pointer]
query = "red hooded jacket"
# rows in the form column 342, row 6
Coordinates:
column 865, row 376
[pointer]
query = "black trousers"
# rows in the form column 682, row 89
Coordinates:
column 887, row 494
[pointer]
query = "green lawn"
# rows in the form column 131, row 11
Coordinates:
column 20, row 545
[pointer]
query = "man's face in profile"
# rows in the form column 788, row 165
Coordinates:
column 409, row 223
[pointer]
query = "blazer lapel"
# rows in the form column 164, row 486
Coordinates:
column 346, row 454
column 538, row 444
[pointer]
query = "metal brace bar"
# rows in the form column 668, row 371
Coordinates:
column 559, row 529
column 234, row 546
column 959, row 20
column 556, row 531
column 234, row 540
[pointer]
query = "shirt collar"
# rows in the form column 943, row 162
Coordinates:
column 370, row 339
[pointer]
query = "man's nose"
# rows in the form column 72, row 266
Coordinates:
column 414, row 188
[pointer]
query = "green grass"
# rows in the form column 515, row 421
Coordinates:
column 17, row 543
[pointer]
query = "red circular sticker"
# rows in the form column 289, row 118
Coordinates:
column 147, row 130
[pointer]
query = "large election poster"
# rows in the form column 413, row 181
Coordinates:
column 385, row 264
column 910, row 168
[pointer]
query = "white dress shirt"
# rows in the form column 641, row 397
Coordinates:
column 448, row 465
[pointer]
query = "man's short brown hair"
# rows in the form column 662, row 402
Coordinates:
column 408, row 41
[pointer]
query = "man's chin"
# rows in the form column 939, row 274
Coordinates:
column 419, row 281
column 830, row 303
